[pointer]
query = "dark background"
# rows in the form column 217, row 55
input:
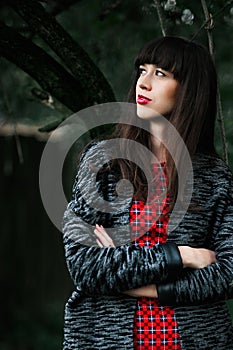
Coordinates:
column 34, row 282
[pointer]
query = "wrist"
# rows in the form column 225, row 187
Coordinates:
column 187, row 255
column 166, row 294
column 174, row 260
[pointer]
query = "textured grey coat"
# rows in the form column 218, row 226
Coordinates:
column 97, row 315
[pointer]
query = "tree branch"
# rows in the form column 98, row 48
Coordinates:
column 74, row 57
column 209, row 19
column 60, row 6
column 209, row 29
column 40, row 66
column 221, row 125
column 161, row 17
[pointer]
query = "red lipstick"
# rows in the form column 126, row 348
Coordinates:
column 143, row 100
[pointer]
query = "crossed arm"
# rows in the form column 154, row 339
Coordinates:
column 108, row 270
column 195, row 258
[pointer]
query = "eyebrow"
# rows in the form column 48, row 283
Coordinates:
column 152, row 64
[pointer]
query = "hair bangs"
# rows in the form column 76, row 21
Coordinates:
column 167, row 53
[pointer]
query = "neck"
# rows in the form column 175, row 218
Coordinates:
column 157, row 137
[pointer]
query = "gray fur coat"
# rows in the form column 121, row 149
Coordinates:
column 98, row 315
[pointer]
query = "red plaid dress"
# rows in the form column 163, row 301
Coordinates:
column 155, row 326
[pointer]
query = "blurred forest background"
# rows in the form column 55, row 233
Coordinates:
column 58, row 57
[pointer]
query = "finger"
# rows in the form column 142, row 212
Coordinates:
column 105, row 242
column 99, row 243
column 101, row 232
column 104, row 234
column 101, row 229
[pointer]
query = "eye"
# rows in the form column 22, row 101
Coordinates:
column 159, row 73
column 142, row 70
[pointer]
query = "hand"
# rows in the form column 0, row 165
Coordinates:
column 102, row 238
column 149, row 291
column 196, row 258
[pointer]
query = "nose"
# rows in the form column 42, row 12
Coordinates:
column 145, row 83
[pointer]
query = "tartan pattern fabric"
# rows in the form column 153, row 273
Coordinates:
column 145, row 217
column 155, row 326
column 145, row 232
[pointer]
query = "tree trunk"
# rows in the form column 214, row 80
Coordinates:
column 75, row 58
column 43, row 68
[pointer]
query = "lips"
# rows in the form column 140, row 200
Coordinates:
column 143, row 100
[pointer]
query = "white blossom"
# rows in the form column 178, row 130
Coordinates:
column 170, row 5
column 187, row 17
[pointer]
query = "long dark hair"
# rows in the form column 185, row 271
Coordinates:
column 194, row 113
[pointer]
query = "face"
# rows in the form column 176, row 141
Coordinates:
column 155, row 91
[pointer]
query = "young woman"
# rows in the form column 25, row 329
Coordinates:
column 163, row 290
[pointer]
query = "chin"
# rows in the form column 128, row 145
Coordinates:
column 147, row 113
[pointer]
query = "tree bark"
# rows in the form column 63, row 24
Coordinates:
column 43, row 68
column 74, row 57
column 60, row 6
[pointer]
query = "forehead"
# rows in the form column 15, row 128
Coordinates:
column 165, row 55
column 152, row 67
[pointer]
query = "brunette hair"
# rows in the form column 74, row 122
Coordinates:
column 194, row 112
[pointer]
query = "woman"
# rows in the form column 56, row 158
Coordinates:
column 163, row 290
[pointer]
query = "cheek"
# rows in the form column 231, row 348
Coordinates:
column 171, row 90
column 136, row 91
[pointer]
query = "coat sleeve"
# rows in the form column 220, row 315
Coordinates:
column 107, row 271
column 214, row 282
